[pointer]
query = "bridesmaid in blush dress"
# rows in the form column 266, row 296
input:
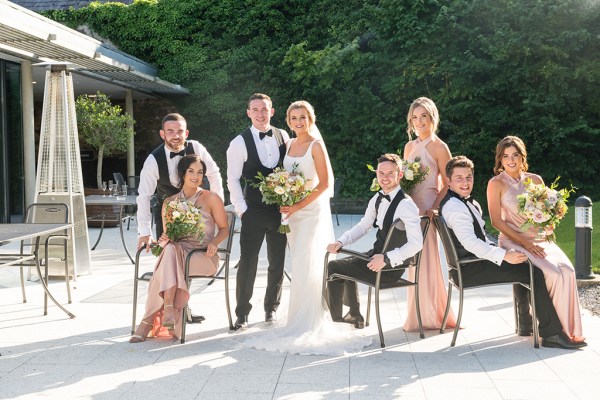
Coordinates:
column 510, row 172
column 423, row 120
column 167, row 291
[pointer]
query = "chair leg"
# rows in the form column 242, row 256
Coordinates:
column 23, row 284
column 421, row 333
column 184, row 318
column 99, row 234
column 377, row 316
column 67, row 280
column 460, row 310
column 515, row 312
column 135, row 289
column 227, row 305
column 368, row 307
column 536, row 332
column 443, row 327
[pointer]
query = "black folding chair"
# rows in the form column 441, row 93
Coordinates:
column 455, row 264
column 414, row 262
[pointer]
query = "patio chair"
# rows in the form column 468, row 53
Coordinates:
column 54, row 245
column 222, row 274
column 414, row 262
column 455, row 263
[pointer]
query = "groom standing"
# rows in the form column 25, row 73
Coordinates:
column 260, row 148
column 383, row 209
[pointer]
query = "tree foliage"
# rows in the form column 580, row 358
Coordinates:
column 103, row 126
column 524, row 67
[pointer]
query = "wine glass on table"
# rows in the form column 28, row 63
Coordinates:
column 104, row 187
column 110, row 188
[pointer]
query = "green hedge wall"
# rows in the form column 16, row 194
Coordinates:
column 524, row 67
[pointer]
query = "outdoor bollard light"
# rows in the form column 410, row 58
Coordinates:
column 583, row 238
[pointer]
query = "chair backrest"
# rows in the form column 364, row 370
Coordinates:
column 119, row 180
column 451, row 255
column 227, row 243
column 47, row 213
column 398, row 226
column 337, row 186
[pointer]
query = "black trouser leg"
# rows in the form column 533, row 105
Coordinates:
column 255, row 225
column 158, row 222
column 276, row 243
column 486, row 272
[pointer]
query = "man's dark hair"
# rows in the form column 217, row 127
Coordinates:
column 391, row 157
column 172, row 117
column 458, row 162
column 259, row 96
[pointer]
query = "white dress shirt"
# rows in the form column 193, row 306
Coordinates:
column 149, row 180
column 407, row 211
column 460, row 220
column 237, row 155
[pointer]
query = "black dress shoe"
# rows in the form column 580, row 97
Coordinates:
column 525, row 325
column 357, row 320
column 241, row 323
column 270, row 316
column 562, row 342
column 196, row 319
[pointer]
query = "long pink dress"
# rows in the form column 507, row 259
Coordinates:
column 170, row 271
column 433, row 295
column 557, row 268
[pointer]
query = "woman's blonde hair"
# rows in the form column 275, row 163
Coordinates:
column 431, row 109
column 302, row 104
column 505, row 143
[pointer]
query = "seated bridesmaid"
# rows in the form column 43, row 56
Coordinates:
column 510, row 172
column 168, row 292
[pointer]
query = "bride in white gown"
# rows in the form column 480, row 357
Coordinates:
column 308, row 328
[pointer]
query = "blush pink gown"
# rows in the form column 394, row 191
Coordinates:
column 170, row 271
column 556, row 266
column 433, row 294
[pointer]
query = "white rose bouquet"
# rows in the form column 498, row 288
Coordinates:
column 411, row 174
column 543, row 207
column 284, row 188
column 183, row 219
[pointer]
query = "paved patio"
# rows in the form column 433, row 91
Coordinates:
column 89, row 357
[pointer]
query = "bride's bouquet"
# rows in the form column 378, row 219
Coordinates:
column 284, row 188
column 411, row 174
column 543, row 207
column 183, row 219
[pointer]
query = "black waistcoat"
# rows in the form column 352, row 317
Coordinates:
column 253, row 166
column 164, row 188
column 398, row 239
column 461, row 252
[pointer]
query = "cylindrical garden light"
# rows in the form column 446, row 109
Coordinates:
column 583, row 238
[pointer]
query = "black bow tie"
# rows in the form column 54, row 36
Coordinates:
column 181, row 153
column 262, row 135
column 384, row 196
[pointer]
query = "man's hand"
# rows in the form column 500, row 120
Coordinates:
column 143, row 241
column 334, row 247
column 377, row 263
column 514, row 257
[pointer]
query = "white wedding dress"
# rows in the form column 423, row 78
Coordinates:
column 307, row 328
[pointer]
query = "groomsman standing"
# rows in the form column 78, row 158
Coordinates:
column 259, row 148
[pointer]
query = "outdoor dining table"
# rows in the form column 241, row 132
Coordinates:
column 119, row 201
column 17, row 232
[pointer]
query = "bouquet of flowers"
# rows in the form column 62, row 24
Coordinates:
column 543, row 207
column 284, row 188
column 183, row 219
column 411, row 174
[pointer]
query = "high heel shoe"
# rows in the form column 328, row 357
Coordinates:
column 140, row 338
column 169, row 324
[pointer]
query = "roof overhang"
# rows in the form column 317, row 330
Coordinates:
column 27, row 35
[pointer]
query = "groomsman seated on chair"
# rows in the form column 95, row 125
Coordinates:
column 463, row 218
column 383, row 209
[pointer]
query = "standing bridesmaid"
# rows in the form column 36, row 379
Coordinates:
column 423, row 120
column 510, row 172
